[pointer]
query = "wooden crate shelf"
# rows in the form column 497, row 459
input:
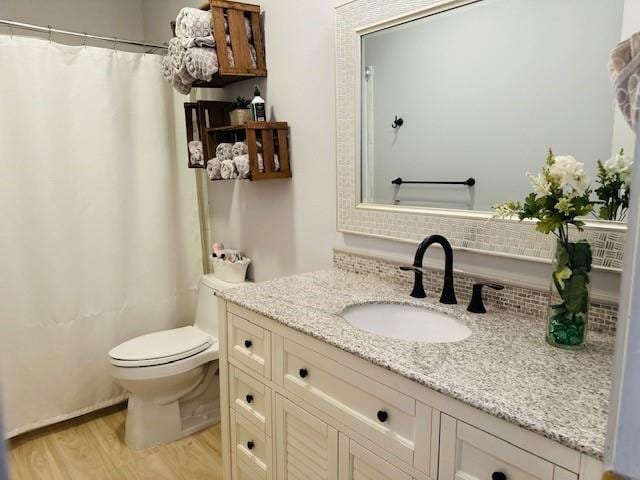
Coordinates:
column 201, row 116
column 267, row 138
column 235, row 13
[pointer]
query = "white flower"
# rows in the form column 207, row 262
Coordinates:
column 507, row 209
column 541, row 187
column 566, row 168
column 620, row 165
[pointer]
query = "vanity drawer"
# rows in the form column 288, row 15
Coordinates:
column 470, row 454
column 381, row 414
column 251, row 450
column 250, row 398
column 250, row 345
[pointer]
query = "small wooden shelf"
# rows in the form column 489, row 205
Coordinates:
column 267, row 138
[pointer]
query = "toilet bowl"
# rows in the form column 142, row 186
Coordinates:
column 172, row 375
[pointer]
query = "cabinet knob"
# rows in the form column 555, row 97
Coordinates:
column 303, row 372
column 383, row 416
column 248, row 343
column 250, row 445
column 249, row 398
column 498, row 476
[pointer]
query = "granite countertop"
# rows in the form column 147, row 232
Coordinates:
column 504, row 368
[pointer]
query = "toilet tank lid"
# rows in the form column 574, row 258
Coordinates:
column 213, row 282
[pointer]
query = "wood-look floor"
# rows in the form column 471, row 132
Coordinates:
column 92, row 448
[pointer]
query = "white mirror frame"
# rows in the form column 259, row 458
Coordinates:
column 466, row 230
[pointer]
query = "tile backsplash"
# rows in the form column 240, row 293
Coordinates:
column 514, row 298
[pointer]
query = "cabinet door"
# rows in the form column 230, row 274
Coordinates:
column 357, row 463
column 307, row 448
column 467, row 453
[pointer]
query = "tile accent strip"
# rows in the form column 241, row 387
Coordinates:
column 513, row 299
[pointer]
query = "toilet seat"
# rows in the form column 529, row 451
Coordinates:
column 160, row 348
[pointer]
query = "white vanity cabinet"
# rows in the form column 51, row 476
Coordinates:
column 296, row 408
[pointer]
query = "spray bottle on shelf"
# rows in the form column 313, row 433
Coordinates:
column 258, row 109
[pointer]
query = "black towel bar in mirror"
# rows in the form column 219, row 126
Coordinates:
column 469, row 182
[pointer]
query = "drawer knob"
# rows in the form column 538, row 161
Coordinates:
column 303, row 372
column 498, row 476
column 248, row 343
column 249, row 398
column 383, row 416
column 250, row 445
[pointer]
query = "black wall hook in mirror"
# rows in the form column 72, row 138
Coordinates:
column 397, row 122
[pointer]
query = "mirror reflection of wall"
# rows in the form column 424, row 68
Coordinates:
column 484, row 90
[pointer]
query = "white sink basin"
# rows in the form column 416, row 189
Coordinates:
column 406, row 322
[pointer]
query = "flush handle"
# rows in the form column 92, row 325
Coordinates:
column 248, row 343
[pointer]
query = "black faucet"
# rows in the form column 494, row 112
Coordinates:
column 448, row 293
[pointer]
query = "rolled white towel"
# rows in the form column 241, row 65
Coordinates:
column 213, row 169
column 228, row 170
column 224, row 151
column 242, row 166
column 239, row 148
column 193, row 22
column 276, row 162
column 196, row 156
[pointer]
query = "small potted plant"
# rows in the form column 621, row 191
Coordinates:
column 239, row 111
column 559, row 199
column 614, row 177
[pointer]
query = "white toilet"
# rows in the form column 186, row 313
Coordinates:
column 172, row 375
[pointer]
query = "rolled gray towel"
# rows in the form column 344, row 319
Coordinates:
column 196, row 156
column 224, row 151
column 228, row 170
column 201, row 62
column 276, row 162
column 193, row 22
column 242, row 166
column 239, row 148
column 213, row 169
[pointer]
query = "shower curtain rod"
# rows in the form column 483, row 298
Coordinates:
column 48, row 29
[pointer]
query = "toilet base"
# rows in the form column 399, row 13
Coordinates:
column 154, row 420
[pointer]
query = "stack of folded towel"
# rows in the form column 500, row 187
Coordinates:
column 192, row 55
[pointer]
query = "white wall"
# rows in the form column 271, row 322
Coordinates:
column 113, row 18
column 289, row 226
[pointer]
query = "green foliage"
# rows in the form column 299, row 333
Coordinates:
column 239, row 103
column 614, row 192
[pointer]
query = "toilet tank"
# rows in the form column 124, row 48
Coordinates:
column 207, row 308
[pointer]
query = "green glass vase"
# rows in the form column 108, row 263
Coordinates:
column 569, row 296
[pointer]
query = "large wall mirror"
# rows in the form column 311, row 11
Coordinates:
column 443, row 108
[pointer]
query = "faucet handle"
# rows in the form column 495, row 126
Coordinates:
column 477, row 305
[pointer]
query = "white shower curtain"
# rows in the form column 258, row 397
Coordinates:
column 99, row 235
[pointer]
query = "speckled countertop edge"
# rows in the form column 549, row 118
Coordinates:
column 504, row 368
